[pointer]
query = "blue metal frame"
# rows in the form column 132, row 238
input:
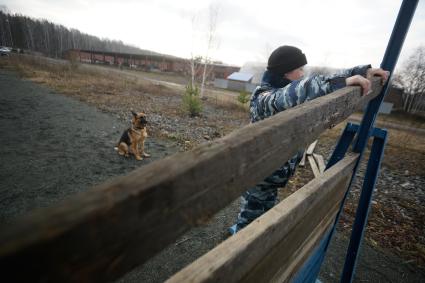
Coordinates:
column 343, row 144
column 398, row 35
column 365, row 130
column 375, row 158
column 310, row 270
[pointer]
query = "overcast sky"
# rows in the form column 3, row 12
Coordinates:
column 332, row 33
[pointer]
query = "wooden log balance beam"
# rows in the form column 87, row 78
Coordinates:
column 100, row 234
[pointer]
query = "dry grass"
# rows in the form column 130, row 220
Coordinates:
column 396, row 221
column 404, row 119
column 228, row 102
column 119, row 92
column 404, row 149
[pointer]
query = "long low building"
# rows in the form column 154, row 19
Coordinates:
column 148, row 62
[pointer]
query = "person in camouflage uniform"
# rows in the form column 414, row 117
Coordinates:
column 283, row 87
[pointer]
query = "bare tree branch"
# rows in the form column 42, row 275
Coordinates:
column 412, row 79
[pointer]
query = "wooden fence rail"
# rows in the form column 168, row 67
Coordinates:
column 275, row 244
column 100, row 234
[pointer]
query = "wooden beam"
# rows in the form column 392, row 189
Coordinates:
column 313, row 165
column 311, row 147
column 100, row 234
column 274, row 246
column 320, row 162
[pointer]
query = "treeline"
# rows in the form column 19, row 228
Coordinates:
column 19, row 31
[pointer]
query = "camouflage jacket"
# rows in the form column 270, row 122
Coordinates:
column 276, row 94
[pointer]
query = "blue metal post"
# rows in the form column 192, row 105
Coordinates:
column 364, row 131
column 398, row 35
column 392, row 53
column 343, row 144
column 311, row 268
column 359, row 225
column 389, row 61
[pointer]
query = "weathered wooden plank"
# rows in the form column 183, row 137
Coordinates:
column 274, row 246
column 313, row 165
column 320, row 162
column 102, row 233
column 284, row 259
column 314, row 239
column 311, row 148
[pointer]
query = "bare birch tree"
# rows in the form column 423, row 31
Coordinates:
column 211, row 43
column 194, row 61
column 412, row 79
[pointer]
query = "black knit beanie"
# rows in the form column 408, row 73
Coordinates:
column 285, row 59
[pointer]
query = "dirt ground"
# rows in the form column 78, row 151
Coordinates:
column 55, row 146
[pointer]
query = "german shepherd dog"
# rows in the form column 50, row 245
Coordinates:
column 134, row 137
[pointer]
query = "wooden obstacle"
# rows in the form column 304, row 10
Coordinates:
column 101, row 234
column 316, row 161
column 278, row 242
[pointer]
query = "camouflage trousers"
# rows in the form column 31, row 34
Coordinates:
column 263, row 196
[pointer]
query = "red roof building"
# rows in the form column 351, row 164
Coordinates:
column 147, row 62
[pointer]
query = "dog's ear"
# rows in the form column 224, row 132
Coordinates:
column 134, row 113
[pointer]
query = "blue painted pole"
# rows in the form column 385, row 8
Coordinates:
column 364, row 131
column 398, row 35
column 375, row 158
column 343, row 144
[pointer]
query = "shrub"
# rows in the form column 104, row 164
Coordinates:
column 243, row 97
column 191, row 102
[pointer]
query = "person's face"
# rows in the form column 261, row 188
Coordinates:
column 295, row 74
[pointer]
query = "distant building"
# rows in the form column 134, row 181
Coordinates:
column 385, row 108
column 392, row 101
column 236, row 81
column 256, row 69
column 395, row 96
column 147, row 62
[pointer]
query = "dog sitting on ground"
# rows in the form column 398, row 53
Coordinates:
column 134, row 137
